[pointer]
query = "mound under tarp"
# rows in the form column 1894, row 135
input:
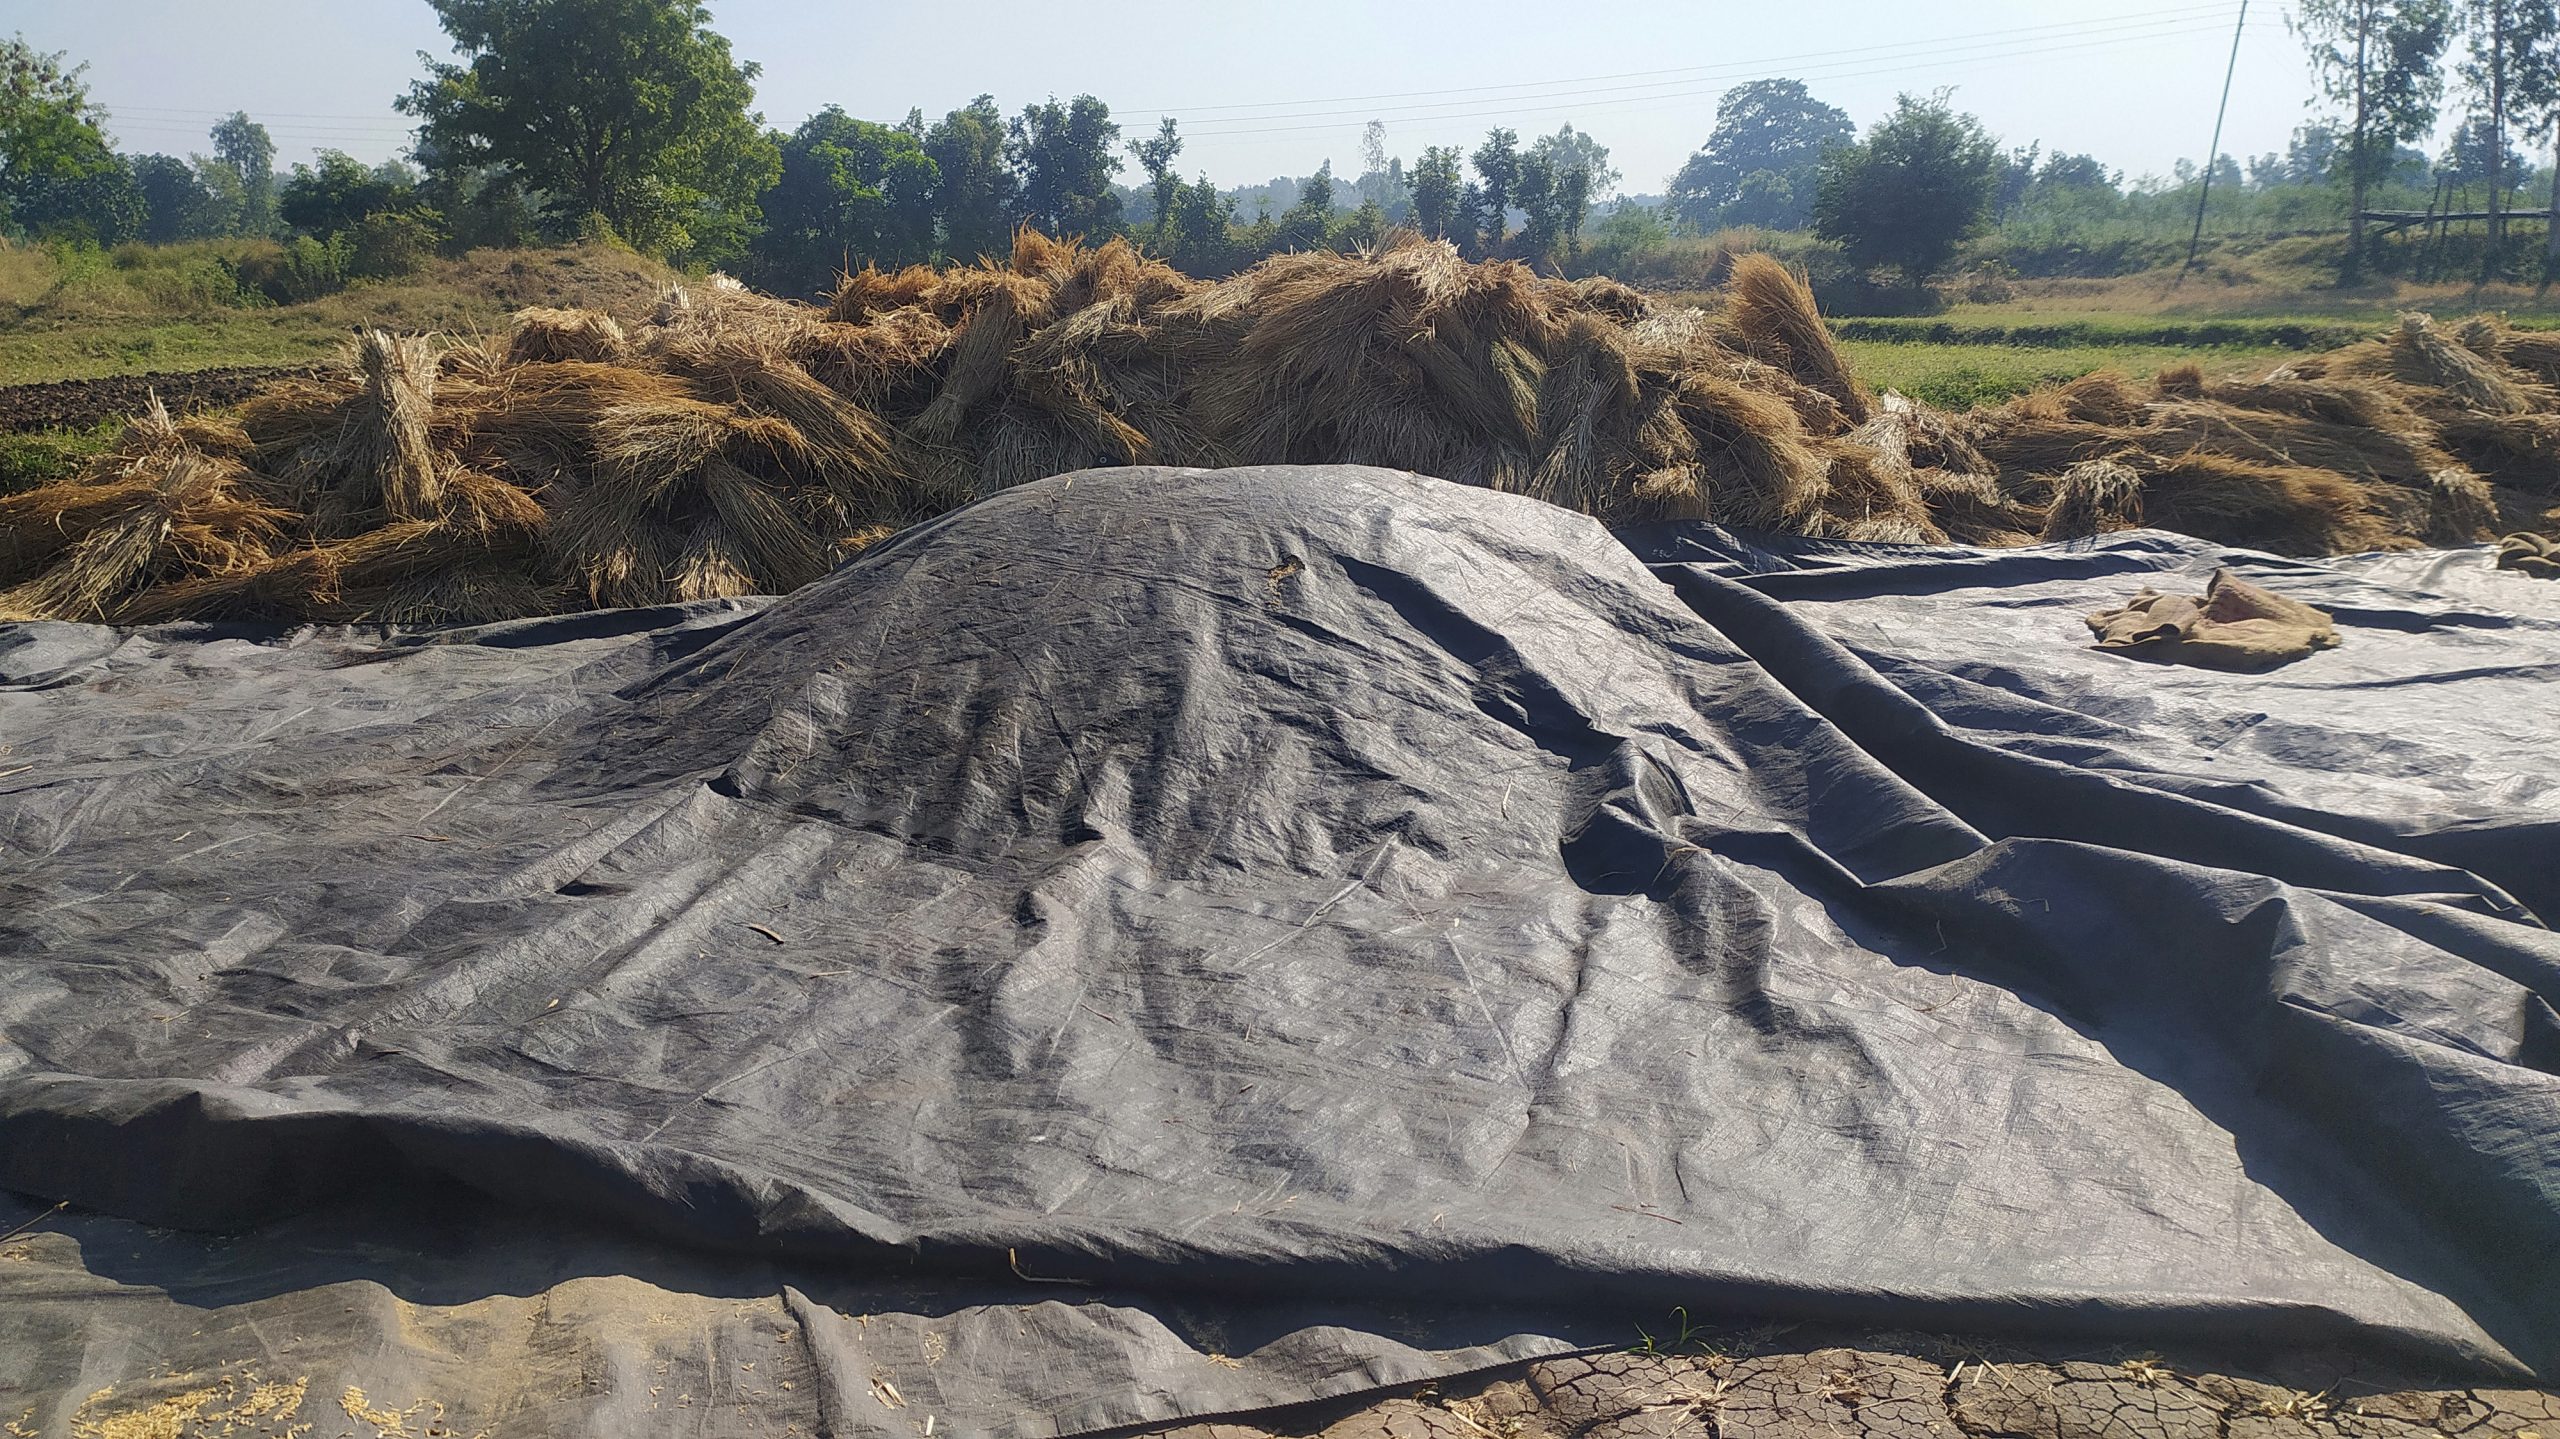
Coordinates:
column 1159, row 943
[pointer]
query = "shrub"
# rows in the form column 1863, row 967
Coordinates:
column 385, row 246
column 302, row 269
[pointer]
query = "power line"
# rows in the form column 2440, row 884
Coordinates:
column 1983, row 47
column 1585, row 106
column 2216, row 9
column 375, row 127
column 175, row 113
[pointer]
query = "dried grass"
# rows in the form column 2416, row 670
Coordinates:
column 540, row 336
column 1775, row 319
column 735, row 443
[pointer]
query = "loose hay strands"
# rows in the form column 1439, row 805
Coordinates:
column 2094, row 498
column 732, row 443
column 540, row 336
column 1773, row 313
column 163, row 510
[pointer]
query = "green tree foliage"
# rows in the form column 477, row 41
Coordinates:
column 1439, row 193
column 243, row 147
column 1762, row 162
column 1915, row 188
column 1202, row 218
column 484, row 206
column 975, row 199
column 2511, row 69
column 56, row 165
column 176, row 202
column 1533, row 192
column 1064, row 157
column 1156, row 155
column 2376, row 60
column 1626, row 233
column 1573, row 205
column 1308, row 224
column 1497, row 163
column 333, row 195
column 630, row 111
column 1362, row 229
column 1569, row 149
column 851, row 192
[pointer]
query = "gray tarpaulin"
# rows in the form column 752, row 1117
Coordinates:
column 1106, row 954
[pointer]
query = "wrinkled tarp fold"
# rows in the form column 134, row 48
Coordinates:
column 1335, row 886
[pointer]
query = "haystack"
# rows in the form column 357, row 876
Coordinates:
column 731, row 443
column 1774, row 320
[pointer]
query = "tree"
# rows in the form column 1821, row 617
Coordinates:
column 1624, row 235
column 2509, row 70
column 1063, row 159
column 2308, row 159
column 176, row 205
column 242, row 146
column 851, row 191
column 1533, row 192
column 1912, row 191
column 2081, row 174
column 1439, row 191
column 1497, row 163
column 1768, row 127
column 1307, row 224
column 1156, row 155
column 1362, row 229
column 974, row 200
column 1201, row 215
column 2467, row 159
column 102, row 205
column 52, row 151
column 1573, row 202
column 2377, row 60
column 1568, row 149
column 334, row 195
column 2018, row 171
column 627, row 111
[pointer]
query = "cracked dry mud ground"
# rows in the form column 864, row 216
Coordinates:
column 1860, row 1394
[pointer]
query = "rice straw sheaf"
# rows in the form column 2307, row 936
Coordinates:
column 729, row 442
column 540, row 335
column 164, row 510
column 2093, row 498
column 376, row 463
column 1774, row 314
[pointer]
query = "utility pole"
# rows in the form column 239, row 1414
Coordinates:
column 2213, row 152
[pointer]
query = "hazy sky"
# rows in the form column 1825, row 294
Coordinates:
column 1273, row 88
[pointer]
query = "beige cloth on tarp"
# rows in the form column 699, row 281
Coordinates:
column 2235, row 626
column 2530, row 555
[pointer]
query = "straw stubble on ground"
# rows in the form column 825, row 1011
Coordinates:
column 1936, row 1392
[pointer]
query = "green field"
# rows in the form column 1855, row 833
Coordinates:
column 1983, row 354
column 1960, row 376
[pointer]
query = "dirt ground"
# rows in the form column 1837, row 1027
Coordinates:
column 78, row 404
column 1833, row 1393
